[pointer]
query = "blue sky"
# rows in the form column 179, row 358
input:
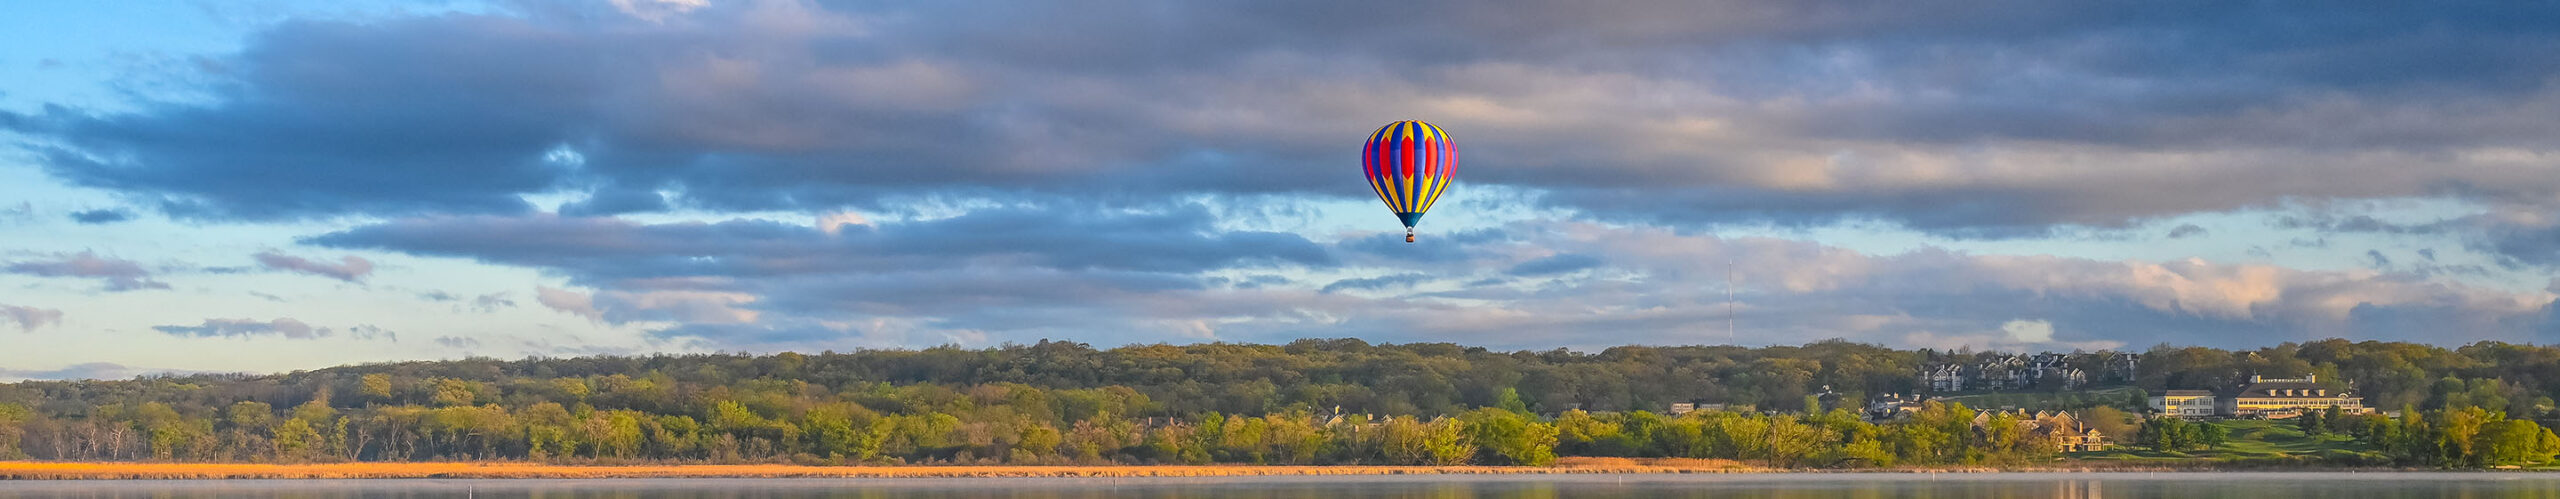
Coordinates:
column 266, row 186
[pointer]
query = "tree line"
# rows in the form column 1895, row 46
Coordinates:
column 1307, row 402
column 991, row 424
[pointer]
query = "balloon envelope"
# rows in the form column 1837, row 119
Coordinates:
column 1409, row 163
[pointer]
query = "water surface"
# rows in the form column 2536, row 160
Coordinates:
column 1813, row 485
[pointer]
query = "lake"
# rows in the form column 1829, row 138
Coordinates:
column 1815, row 485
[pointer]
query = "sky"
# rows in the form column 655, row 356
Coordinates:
column 267, row 186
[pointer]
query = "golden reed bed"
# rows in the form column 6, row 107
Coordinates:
column 41, row 470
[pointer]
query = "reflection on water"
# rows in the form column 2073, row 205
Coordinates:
column 1856, row 485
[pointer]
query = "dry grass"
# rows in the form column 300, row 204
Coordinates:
column 1655, row 465
column 40, row 470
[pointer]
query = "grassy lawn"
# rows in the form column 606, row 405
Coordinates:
column 2117, row 396
column 2249, row 439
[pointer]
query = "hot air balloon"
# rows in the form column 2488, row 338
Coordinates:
column 1409, row 163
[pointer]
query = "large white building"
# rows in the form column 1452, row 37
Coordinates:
column 2262, row 398
column 2188, row 404
column 2283, row 398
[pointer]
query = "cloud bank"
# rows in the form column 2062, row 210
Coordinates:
column 1005, row 172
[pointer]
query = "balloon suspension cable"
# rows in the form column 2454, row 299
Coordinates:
column 1408, row 234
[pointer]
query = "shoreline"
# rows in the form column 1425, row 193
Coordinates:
column 47, row 470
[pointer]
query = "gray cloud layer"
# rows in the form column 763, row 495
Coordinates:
column 92, row 370
column 755, row 284
column 1976, row 118
column 1069, row 137
column 349, row 268
column 119, row 274
column 29, row 319
column 243, row 328
column 100, row 217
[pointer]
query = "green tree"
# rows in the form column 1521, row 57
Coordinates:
column 549, row 430
column 296, row 440
column 375, row 386
column 1789, row 442
column 13, row 421
column 1509, row 400
column 246, row 427
column 1448, row 442
column 2165, row 434
column 2210, row 435
column 1511, row 438
column 2513, row 442
column 1039, row 441
column 1295, row 439
column 456, row 392
column 1403, row 440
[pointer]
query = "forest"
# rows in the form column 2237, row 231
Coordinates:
column 1336, row 401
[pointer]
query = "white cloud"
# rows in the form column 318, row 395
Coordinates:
column 286, row 327
column 658, row 10
column 571, row 302
column 30, row 318
column 349, row 268
column 832, row 222
column 2027, row 331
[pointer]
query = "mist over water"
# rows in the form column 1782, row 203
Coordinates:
column 1815, row 485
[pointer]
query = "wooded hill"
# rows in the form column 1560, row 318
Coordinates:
column 1068, row 402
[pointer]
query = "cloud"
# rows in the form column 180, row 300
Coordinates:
column 658, row 10
column 372, row 332
column 92, row 370
column 571, row 302
column 1995, row 119
column 1558, row 264
column 2027, row 331
column 749, row 283
column 492, row 302
column 2021, row 335
column 119, row 274
column 457, row 342
column 2517, row 235
column 884, row 174
column 1375, row 283
column 100, row 217
column 349, row 268
column 285, row 327
column 30, row 318
column 483, row 303
column 834, row 222
column 1173, row 238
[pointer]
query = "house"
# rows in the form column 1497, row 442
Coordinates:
column 2122, row 367
column 2006, row 372
column 2267, row 397
column 2069, row 433
column 2081, row 438
column 1945, row 378
column 2065, row 431
column 1679, row 408
column 2185, row 404
column 2043, row 371
column 2053, row 369
column 1892, row 406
